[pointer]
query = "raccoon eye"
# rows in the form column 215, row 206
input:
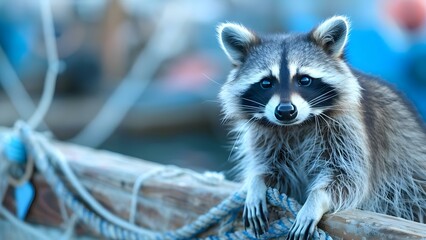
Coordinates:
column 266, row 83
column 305, row 81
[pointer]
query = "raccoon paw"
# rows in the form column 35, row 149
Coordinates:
column 317, row 203
column 255, row 216
column 303, row 227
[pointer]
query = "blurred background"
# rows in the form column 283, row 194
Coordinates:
column 141, row 77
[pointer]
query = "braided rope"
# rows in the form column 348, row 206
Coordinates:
column 231, row 206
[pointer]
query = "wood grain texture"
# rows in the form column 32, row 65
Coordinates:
column 165, row 204
column 357, row 224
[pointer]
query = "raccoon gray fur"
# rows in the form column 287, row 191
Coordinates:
column 308, row 124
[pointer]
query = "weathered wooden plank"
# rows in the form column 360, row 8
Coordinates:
column 169, row 203
column 357, row 224
column 110, row 177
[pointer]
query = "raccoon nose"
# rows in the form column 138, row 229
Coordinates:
column 286, row 112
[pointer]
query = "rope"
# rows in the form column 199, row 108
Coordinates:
column 42, row 151
column 14, row 88
column 208, row 178
column 53, row 65
column 136, row 187
column 43, row 154
column 29, row 169
column 37, row 234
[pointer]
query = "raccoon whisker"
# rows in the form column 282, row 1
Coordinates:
column 244, row 126
column 337, row 107
column 320, row 96
column 253, row 101
column 321, row 90
column 211, row 80
column 225, row 118
column 251, row 109
column 323, row 100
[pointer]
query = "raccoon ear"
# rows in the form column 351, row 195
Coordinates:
column 235, row 40
column 332, row 35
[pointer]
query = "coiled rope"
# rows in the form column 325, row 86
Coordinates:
column 47, row 159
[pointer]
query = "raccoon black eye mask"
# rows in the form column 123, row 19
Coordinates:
column 316, row 129
column 315, row 91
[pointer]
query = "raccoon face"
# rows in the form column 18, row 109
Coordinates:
column 285, row 79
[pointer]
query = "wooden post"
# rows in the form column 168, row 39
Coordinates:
column 166, row 204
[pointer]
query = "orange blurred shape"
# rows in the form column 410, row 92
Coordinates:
column 409, row 14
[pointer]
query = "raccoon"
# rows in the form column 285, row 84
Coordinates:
column 311, row 126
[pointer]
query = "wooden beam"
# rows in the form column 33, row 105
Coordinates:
column 357, row 224
column 169, row 203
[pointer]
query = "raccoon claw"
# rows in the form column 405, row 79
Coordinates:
column 302, row 229
column 255, row 216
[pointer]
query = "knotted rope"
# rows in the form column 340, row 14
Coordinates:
column 44, row 158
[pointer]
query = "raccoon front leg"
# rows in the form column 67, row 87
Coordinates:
column 255, row 213
column 318, row 203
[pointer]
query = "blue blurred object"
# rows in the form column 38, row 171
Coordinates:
column 24, row 196
column 16, row 37
column 416, row 73
column 370, row 53
column 14, row 150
